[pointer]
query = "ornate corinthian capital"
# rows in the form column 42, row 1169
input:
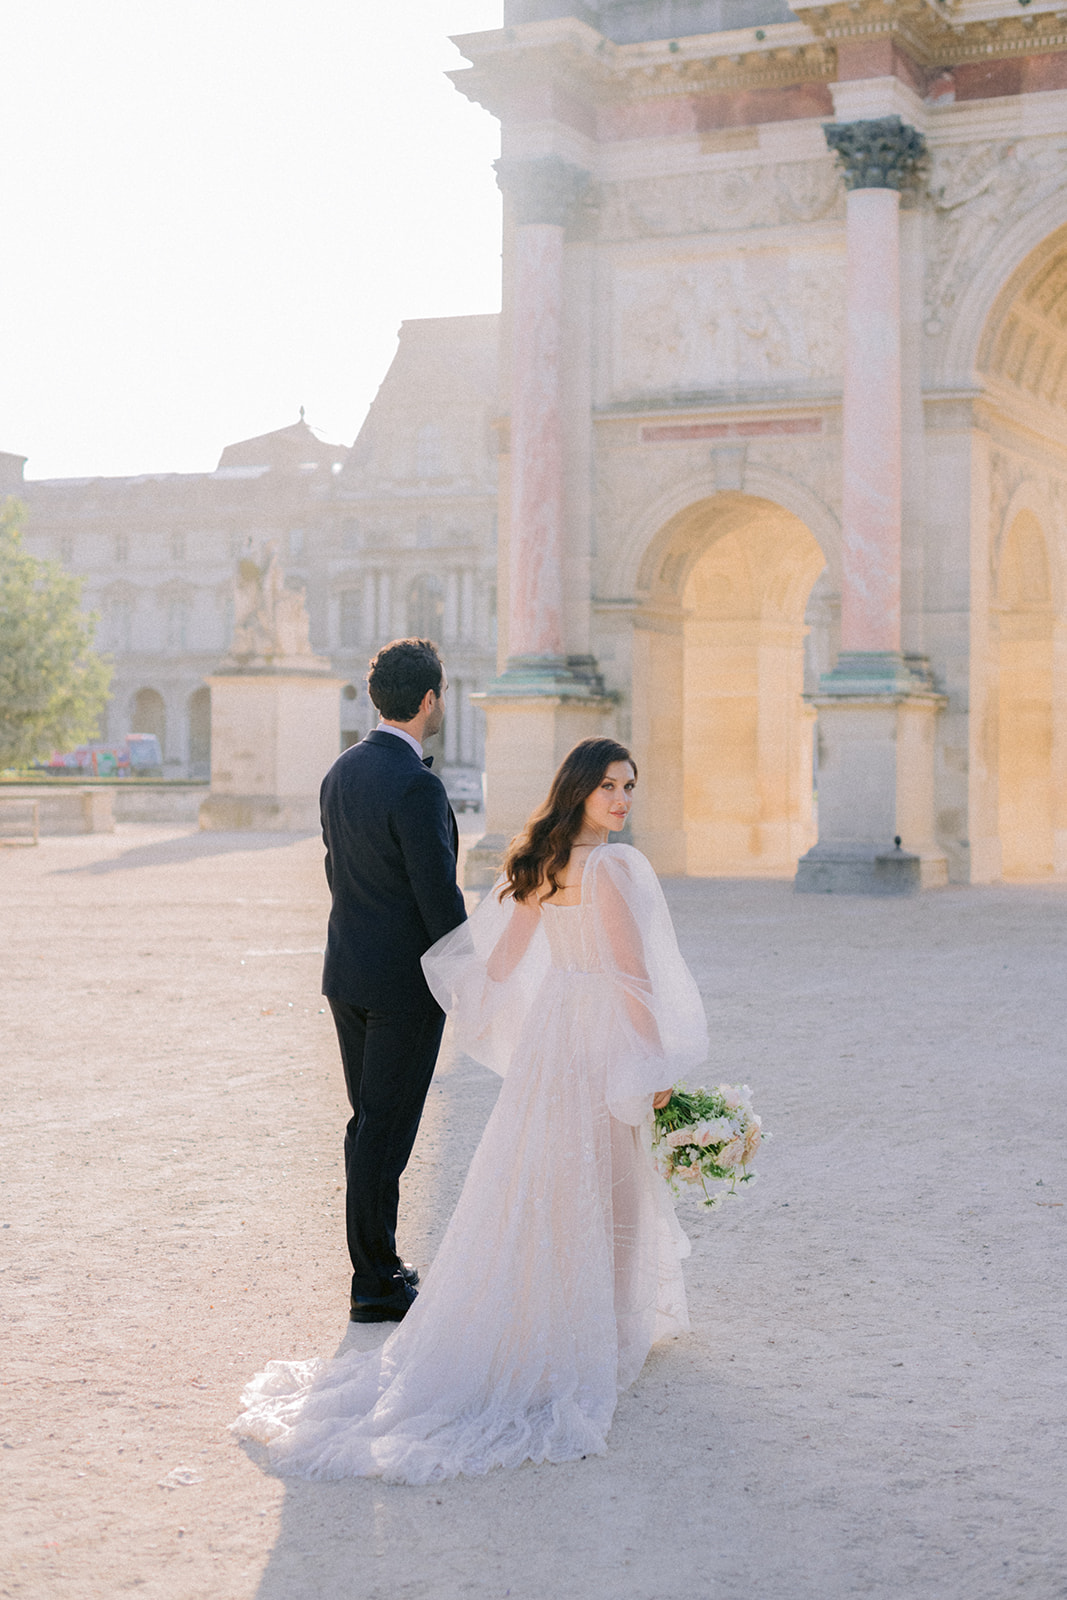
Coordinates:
column 545, row 189
column 879, row 153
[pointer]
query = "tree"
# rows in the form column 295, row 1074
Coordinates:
column 53, row 685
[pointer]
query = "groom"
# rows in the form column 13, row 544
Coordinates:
column 391, row 842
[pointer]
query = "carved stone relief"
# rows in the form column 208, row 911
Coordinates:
column 712, row 202
column 721, row 322
column 977, row 192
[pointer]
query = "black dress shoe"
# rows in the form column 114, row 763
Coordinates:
column 409, row 1273
column 392, row 1310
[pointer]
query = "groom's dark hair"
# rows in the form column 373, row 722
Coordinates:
column 401, row 675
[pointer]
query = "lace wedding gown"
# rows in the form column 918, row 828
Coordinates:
column 560, row 1266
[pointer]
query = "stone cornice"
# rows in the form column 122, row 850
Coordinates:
column 942, row 33
column 510, row 65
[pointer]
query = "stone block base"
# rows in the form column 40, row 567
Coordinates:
column 62, row 810
column 484, row 860
column 259, row 813
column 858, row 869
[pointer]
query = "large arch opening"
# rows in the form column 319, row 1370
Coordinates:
column 720, row 723
column 1025, row 702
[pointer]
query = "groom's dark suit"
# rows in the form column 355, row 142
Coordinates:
column 391, row 842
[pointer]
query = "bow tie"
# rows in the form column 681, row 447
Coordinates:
column 427, row 761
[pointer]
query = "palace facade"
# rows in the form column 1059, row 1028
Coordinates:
column 394, row 536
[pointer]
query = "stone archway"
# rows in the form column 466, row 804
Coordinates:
column 720, row 727
column 149, row 715
column 1026, row 626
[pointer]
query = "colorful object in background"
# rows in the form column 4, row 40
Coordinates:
column 139, row 756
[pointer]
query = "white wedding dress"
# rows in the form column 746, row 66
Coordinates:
column 560, row 1266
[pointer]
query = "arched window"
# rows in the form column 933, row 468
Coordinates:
column 200, row 733
column 178, row 617
column 150, row 715
column 120, row 624
column 428, row 451
column 426, row 606
column 350, row 618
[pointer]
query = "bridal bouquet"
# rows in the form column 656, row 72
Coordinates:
column 707, row 1133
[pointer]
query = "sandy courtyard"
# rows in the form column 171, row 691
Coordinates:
column 872, row 1401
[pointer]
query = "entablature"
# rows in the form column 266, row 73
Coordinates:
column 565, row 68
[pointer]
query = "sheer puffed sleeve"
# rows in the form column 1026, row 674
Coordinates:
column 662, row 1032
column 486, row 973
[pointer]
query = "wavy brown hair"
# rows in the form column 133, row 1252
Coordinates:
column 543, row 847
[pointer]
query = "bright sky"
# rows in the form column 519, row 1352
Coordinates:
column 217, row 211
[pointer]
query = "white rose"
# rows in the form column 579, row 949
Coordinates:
column 731, row 1154
column 720, row 1130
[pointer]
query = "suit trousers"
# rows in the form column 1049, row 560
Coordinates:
column 388, row 1059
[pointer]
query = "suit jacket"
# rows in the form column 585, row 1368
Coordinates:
column 391, row 843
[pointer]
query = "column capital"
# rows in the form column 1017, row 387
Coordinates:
column 543, row 189
column 877, row 152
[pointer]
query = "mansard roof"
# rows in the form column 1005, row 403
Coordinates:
column 293, row 449
column 634, row 21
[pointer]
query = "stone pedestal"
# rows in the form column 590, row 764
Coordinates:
column 528, row 730
column 876, row 786
column 273, row 736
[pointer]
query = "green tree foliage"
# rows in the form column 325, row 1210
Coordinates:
column 53, row 685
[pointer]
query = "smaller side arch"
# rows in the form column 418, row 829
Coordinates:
column 1025, row 618
column 148, row 714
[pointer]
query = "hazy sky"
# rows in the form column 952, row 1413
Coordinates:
column 216, row 211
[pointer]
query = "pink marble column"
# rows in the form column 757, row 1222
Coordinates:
column 870, row 594
column 535, row 604
column 880, row 157
column 544, row 192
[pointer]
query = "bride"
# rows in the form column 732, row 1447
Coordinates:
column 560, row 1266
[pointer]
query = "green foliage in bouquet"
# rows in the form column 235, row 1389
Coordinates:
column 707, row 1133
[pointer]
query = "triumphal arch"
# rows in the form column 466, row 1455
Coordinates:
column 784, row 427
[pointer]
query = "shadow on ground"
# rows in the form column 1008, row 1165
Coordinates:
column 192, row 846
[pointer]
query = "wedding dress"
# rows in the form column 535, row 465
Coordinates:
column 561, row 1264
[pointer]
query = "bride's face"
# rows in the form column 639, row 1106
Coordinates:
column 609, row 804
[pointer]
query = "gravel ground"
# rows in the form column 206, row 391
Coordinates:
column 871, row 1403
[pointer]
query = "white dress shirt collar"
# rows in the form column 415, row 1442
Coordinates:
column 386, row 727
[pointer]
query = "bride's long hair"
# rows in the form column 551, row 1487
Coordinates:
column 543, row 847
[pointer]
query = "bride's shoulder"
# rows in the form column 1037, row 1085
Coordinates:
column 624, row 858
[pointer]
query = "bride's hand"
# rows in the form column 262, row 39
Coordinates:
column 660, row 1100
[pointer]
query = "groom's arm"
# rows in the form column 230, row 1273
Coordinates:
column 422, row 826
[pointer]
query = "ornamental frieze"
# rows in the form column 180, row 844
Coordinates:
column 770, row 196
column 728, row 322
